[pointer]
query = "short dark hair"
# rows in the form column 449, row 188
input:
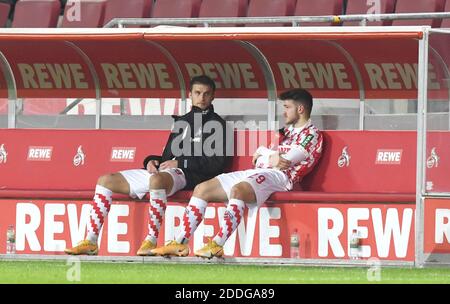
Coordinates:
column 300, row 96
column 202, row 79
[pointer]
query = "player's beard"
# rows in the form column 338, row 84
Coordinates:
column 292, row 120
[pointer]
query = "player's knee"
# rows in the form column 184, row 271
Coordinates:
column 106, row 181
column 157, row 181
column 201, row 191
column 241, row 191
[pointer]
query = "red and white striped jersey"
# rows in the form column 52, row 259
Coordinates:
column 309, row 140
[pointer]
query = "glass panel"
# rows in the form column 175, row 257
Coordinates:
column 330, row 114
column 156, row 113
column 139, row 113
column 243, row 113
column 3, row 113
column 56, row 113
column 437, row 164
column 390, row 114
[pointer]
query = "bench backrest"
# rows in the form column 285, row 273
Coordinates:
column 379, row 161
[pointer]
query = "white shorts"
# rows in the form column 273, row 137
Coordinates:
column 139, row 180
column 263, row 181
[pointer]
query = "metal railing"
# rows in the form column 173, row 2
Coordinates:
column 293, row 20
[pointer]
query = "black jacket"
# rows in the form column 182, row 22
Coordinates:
column 197, row 166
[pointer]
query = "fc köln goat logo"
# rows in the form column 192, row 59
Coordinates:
column 433, row 159
column 78, row 159
column 3, row 154
column 344, row 159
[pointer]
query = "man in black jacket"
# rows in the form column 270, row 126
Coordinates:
column 194, row 153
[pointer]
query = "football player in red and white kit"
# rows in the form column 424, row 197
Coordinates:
column 276, row 169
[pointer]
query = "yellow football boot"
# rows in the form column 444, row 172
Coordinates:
column 212, row 249
column 146, row 248
column 172, row 248
column 83, row 247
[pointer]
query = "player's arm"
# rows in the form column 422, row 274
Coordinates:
column 296, row 155
column 261, row 157
column 152, row 162
column 273, row 159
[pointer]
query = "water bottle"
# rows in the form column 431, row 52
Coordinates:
column 307, row 246
column 355, row 243
column 10, row 240
column 295, row 245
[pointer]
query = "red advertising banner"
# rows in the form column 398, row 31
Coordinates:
column 378, row 66
column 437, row 162
column 54, row 69
column 145, row 71
column 437, row 225
column 318, row 66
column 234, row 69
column 352, row 161
column 386, row 231
column 365, row 161
column 71, row 159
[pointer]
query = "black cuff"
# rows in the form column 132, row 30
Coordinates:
column 152, row 157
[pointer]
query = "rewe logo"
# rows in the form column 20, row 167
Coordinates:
column 40, row 153
column 389, row 156
column 123, row 154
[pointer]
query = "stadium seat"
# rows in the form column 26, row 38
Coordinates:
column 4, row 13
column 446, row 22
column 422, row 6
column 132, row 9
column 92, row 13
column 360, row 7
column 176, row 8
column 36, row 13
column 220, row 8
column 318, row 8
column 270, row 8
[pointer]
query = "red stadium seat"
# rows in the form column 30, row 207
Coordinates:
column 36, row 13
column 92, row 13
column 220, row 8
column 4, row 13
column 176, row 8
column 132, row 9
column 318, row 8
column 422, row 6
column 360, row 7
column 270, row 8
column 446, row 22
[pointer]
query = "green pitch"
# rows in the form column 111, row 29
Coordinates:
column 90, row 272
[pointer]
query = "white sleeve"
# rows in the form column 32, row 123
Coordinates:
column 264, row 151
column 296, row 154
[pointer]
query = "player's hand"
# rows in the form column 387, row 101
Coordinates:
column 276, row 161
column 168, row 164
column 255, row 158
column 152, row 166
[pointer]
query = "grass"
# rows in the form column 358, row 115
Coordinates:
column 125, row 273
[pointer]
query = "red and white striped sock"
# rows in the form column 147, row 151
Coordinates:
column 101, row 204
column 193, row 216
column 231, row 219
column 158, row 202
